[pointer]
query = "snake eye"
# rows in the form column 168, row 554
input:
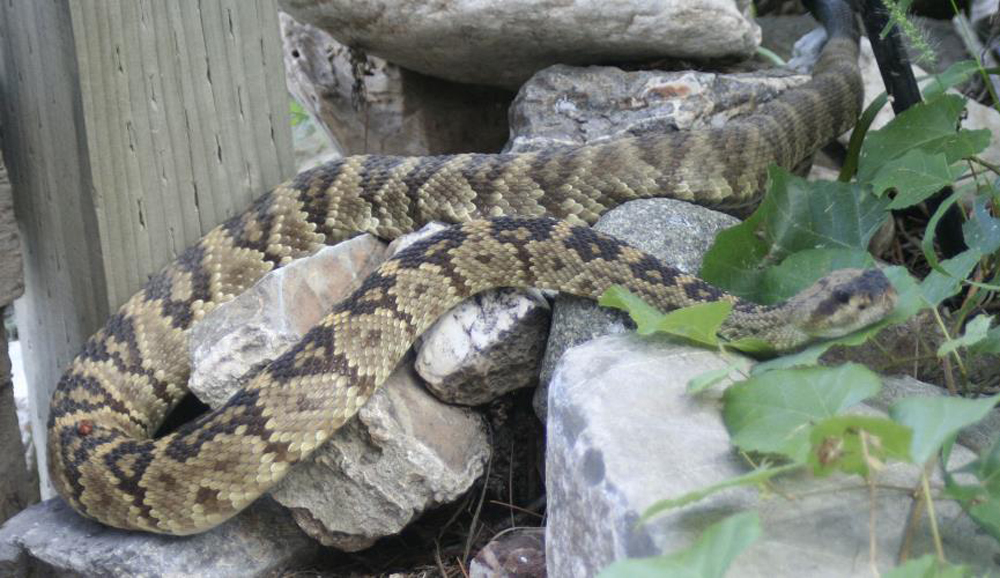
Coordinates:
column 842, row 296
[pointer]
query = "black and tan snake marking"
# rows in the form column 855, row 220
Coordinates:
column 134, row 370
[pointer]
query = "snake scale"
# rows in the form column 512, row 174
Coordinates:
column 131, row 373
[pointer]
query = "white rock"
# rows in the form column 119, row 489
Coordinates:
column 503, row 43
column 623, row 434
column 485, row 347
column 275, row 313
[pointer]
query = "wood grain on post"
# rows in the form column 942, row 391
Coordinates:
column 131, row 127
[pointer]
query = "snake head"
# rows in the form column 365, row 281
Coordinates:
column 843, row 301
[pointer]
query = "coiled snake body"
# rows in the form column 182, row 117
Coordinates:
column 133, row 371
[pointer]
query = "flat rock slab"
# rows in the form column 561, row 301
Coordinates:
column 623, row 434
column 503, row 43
column 50, row 539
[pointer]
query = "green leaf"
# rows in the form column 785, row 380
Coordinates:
column 754, row 478
column 938, row 286
column 709, row 557
column 837, row 444
column 956, row 74
column 928, row 566
column 698, row 323
column 802, row 269
column 975, row 331
column 990, row 344
column 930, row 126
column 915, row 176
column 935, row 419
column 987, row 515
column 644, row 315
column 703, row 381
column 982, row 231
column 774, row 412
column 795, row 215
column 981, row 501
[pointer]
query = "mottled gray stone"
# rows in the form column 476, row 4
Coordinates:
column 11, row 271
column 569, row 106
column 403, row 453
column 623, row 434
column 367, row 105
column 485, row 347
column 50, row 539
column 675, row 232
column 503, row 43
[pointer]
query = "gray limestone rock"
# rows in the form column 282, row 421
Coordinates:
column 367, row 105
column 623, row 434
column 569, row 106
column 675, row 232
column 403, row 453
column 503, row 43
column 274, row 314
column 485, row 347
column 50, row 539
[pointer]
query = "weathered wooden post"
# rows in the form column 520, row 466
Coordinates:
column 130, row 127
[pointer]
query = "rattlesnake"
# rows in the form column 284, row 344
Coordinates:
column 133, row 371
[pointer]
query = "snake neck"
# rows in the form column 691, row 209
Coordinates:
column 769, row 323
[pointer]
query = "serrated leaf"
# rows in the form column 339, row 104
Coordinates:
column 982, row 231
column 975, row 331
column 774, row 412
column 935, row 419
column 915, row 176
column 930, row 126
column 795, row 215
column 956, row 74
column 928, row 566
column 709, row 557
column 856, row 444
column 754, row 478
